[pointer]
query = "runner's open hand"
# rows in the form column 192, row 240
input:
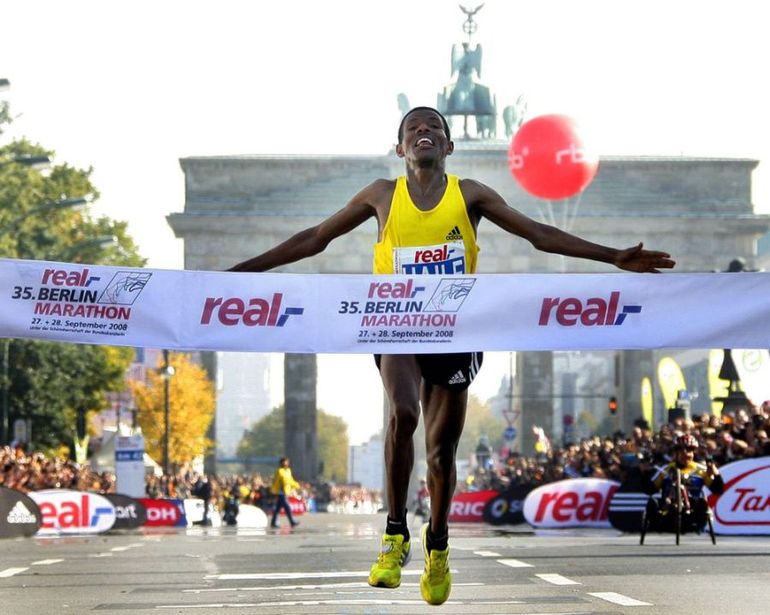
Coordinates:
column 643, row 261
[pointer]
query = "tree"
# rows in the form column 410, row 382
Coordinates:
column 479, row 421
column 50, row 381
column 191, row 410
column 45, row 381
column 34, row 223
column 265, row 439
column 333, row 447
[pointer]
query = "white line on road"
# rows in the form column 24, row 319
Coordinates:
column 515, row 563
column 619, row 599
column 281, row 576
column 539, row 612
column 290, row 603
column 295, row 603
column 119, row 549
column 350, row 585
column 9, row 572
column 486, row 553
column 557, row 579
column 47, row 562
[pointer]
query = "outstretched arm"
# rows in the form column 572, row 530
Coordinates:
column 485, row 202
column 314, row 240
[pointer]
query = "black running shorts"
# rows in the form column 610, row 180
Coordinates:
column 454, row 371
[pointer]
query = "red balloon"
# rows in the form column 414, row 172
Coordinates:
column 548, row 158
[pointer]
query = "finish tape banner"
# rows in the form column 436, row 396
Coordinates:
column 317, row 313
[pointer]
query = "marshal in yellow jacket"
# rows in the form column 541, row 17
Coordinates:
column 283, row 482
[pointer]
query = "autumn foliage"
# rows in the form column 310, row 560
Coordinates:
column 191, row 410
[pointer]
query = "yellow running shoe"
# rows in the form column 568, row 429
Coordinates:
column 436, row 580
column 394, row 554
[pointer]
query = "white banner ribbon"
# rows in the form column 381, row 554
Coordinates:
column 316, row 313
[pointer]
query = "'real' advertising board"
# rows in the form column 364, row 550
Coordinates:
column 73, row 512
column 573, row 502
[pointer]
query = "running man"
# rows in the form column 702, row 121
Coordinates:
column 429, row 210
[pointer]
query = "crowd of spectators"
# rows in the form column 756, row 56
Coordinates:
column 254, row 489
column 35, row 471
column 740, row 435
column 722, row 439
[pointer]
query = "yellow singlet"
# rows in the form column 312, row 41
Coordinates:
column 441, row 240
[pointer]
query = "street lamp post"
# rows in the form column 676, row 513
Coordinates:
column 166, row 372
column 103, row 241
column 735, row 398
column 75, row 203
column 4, row 417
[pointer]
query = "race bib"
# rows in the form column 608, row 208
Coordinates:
column 442, row 258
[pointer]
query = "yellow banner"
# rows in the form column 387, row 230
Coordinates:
column 670, row 380
column 648, row 405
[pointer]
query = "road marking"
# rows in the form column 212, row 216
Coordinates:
column 282, row 576
column 290, row 603
column 486, row 553
column 9, row 572
column 557, row 579
column 236, row 605
column 119, row 549
column 295, row 603
column 619, row 599
column 47, row 562
column 514, row 563
column 539, row 612
column 350, row 585
column 100, row 555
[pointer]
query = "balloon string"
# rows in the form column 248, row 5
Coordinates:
column 564, row 214
column 551, row 218
column 571, row 221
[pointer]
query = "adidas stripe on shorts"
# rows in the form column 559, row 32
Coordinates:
column 454, row 371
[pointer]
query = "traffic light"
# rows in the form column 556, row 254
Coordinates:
column 612, row 405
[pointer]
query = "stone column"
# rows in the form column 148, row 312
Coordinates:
column 634, row 365
column 209, row 363
column 300, row 433
column 535, row 384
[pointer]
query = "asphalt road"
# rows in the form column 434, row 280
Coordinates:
column 321, row 567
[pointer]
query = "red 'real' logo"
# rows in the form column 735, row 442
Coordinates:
column 569, row 506
column 254, row 312
column 596, row 311
column 62, row 277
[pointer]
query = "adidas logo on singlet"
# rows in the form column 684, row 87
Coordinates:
column 454, row 234
column 458, row 378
